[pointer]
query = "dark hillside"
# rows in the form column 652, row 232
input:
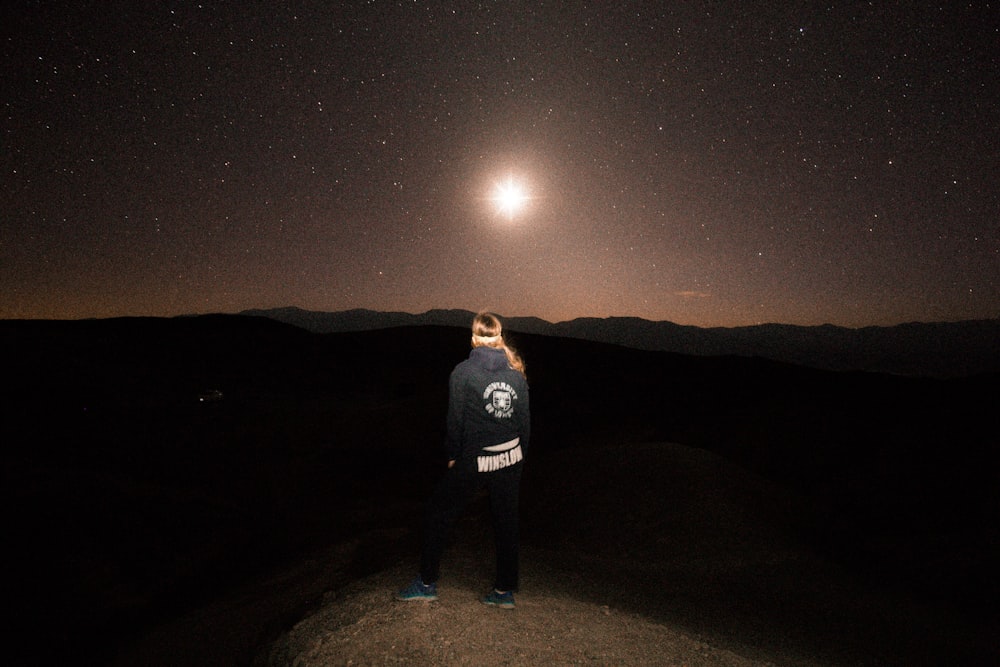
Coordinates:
column 151, row 465
column 901, row 471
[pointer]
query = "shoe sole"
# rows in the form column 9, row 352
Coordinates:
column 423, row 598
column 499, row 605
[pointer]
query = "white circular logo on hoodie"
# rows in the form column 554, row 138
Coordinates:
column 500, row 398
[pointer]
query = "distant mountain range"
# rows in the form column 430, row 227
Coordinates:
column 937, row 349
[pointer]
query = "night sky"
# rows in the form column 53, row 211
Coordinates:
column 707, row 163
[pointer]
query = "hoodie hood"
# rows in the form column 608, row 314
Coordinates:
column 490, row 358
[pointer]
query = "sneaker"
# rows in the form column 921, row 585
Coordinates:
column 498, row 599
column 418, row 590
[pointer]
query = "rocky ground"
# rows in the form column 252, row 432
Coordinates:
column 360, row 625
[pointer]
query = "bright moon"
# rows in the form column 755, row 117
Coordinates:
column 509, row 197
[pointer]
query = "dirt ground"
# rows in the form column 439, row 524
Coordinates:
column 363, row 625
column 308, row 615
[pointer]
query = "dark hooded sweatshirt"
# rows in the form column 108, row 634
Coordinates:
column 487, row 411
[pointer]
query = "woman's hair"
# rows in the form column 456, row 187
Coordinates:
column 488, row 332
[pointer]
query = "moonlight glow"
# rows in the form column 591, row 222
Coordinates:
column 509, row 197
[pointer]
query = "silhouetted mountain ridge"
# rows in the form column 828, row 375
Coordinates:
column 933, row 349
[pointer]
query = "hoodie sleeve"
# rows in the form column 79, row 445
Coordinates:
column 453, row 439
column 524, row 427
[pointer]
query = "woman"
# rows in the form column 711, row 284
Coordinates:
column 488, row 430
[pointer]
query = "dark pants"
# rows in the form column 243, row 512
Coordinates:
column 451, row 496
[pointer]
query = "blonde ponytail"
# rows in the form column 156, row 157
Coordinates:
column 488, row 332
